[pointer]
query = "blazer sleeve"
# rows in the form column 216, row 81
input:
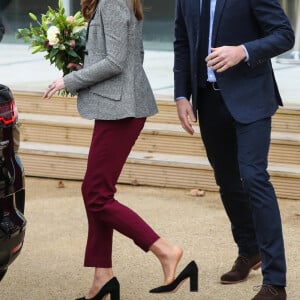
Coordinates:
column 277, row 33
column 115, row 18
column 182, row 70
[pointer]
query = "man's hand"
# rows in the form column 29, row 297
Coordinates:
column 222, row 58
column 185, row 114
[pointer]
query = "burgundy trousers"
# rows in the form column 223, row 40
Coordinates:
column 110, row 147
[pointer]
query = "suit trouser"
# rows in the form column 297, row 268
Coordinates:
column 238, row 154
column 110, row 147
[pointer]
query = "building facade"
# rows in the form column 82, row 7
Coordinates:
column 158, row 25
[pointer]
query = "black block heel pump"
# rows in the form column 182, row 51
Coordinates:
column 190, row 271
column 112, row 287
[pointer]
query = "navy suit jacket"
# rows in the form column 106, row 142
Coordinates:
column 249, row 89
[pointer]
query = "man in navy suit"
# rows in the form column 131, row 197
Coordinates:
column 222, row 61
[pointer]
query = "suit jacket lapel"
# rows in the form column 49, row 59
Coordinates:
column 195, row 9
column 218, row 13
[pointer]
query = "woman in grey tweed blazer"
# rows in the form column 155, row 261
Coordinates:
column 113, row 89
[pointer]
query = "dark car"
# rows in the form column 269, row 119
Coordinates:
column 12, row 189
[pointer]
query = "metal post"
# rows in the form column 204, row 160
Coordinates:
column 67, row 6
column 293, row 56
column 297, row 33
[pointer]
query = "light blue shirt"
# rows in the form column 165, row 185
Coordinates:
column 211, row 77
column 210, row 73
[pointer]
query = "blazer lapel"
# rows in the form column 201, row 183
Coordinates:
column 195, row 9
column 88, row 25
column 218, row 13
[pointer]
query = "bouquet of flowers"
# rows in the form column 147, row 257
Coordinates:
column 61, row 36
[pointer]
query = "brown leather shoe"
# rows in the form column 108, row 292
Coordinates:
column 241, row 269
column 270, row 292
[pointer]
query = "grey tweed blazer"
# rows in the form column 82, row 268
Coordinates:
column 112, row 84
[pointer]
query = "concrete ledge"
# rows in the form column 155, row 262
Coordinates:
column 23, row 71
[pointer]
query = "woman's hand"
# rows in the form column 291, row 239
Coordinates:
column 56, row 85
column 59, row 84
column 73, row 66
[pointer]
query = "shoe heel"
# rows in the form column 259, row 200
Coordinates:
column 115, row 294
column 194, row 284
column 189, row 272
column 194, row 280
column 257, row 266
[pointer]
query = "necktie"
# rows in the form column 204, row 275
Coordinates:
column 204, row 35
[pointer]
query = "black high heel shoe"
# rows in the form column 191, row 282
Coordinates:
column 112, row 287
column 190, row 271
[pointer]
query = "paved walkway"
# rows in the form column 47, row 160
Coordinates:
column 23, row 71
column 50, row 265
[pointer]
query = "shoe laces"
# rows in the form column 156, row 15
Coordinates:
column 243, row 259
column 265, row 288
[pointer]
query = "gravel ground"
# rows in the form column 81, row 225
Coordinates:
column 50, row 265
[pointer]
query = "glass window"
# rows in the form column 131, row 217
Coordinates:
column 75, row 6
column 15, row 15
column 291, row 9
column 158, row 25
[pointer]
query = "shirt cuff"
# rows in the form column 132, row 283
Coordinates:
column 247, row 54
column 180, row 98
